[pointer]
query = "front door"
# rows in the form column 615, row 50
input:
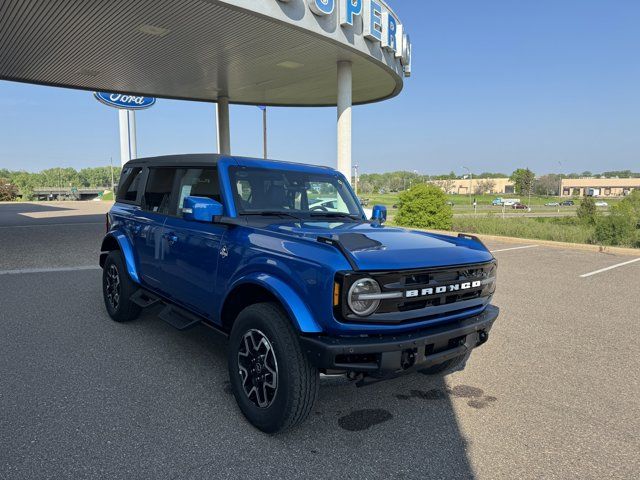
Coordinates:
column 192, row 249
column 150, row 241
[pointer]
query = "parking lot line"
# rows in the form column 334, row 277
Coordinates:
column 49, row 270
column 513, row 248
column 602, row 270
column 52, row 225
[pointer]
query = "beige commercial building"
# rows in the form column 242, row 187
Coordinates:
column 599, row 187
column 497, row 186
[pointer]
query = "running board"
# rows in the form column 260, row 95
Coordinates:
column 178, row 318
column 144, row 299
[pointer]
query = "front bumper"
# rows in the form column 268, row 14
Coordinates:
column 385, row 355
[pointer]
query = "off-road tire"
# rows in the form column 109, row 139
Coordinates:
column 297, row 378
column 124, row 310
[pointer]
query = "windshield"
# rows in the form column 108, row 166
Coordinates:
column 272, row 192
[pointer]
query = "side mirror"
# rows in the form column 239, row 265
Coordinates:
column 201, row 209
column 379, row 213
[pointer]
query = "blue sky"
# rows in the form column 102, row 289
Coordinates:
column 498, row 84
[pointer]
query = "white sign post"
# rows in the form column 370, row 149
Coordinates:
column 128, row 142
column 126, row 105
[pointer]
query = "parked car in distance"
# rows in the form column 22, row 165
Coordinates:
column 567, row 203
column 519, row 206
column 238, row 244
column 552, row 204
column 507, row 202
column 602, row 204
column 451, row 204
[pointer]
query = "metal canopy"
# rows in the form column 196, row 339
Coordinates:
column 264, row 52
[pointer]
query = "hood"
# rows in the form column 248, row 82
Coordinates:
column 390, row 248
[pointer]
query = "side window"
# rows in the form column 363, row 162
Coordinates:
column 198, row 182
column 245, row 193
column 158, row 192
column 129, row 184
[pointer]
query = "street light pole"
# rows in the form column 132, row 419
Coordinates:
column 113, row 184
column 355, row 178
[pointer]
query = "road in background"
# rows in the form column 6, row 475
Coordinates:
column 553, row 394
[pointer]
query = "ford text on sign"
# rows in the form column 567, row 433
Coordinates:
column 128, row 102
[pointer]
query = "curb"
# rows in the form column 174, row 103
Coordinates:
column 633, row 252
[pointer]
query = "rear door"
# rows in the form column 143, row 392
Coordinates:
column 149, row 240
column 193, row 248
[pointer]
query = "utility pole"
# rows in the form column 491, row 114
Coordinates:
column 113, row 184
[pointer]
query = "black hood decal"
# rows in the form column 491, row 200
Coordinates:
column 356, row 242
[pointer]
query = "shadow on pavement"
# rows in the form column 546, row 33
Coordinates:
column 83, row 396
column 30, row 207
column 400, row 428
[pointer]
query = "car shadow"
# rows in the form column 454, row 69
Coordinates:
column 400, row 428
column 30, row 207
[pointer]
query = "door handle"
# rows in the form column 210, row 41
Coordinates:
column 172, row 238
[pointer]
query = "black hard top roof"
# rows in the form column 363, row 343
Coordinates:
column 209, row 159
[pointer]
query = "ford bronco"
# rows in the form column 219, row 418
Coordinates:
column 280, row 258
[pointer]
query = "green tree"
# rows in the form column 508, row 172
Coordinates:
column 424, row 206
column 547, row 185
column 8, row 192
column 587, row 211
column 523, row 179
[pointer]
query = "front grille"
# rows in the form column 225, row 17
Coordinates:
column 428, row 294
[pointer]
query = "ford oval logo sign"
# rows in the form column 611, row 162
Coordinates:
column 124, row 101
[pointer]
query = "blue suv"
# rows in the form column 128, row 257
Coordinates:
column 280, row 258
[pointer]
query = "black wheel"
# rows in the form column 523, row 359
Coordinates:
column 273, row 382
column 117, row 288
column 446, row 367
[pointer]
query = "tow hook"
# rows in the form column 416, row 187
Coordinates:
column 483, row 336
column 408, row 358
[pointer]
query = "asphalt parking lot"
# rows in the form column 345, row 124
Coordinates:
column 555, row 393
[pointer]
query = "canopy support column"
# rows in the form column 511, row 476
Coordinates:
column 128, row 142
column 345, row 102
column 224, row 131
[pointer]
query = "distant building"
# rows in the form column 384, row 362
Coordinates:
column 599, row 187
column 479, row 186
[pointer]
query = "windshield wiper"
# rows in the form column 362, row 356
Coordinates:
column 335, row 215
column 272, row 213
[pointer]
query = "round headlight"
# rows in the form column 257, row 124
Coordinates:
column 357, row 299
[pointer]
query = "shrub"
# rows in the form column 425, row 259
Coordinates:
column 622, row 226
column 615, row 229
column 424, row 206
column 8, row 192
column 587, row 211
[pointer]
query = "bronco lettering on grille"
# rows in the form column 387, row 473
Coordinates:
column 425, row 292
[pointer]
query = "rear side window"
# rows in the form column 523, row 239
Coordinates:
column 129, row 184
column 158, row 193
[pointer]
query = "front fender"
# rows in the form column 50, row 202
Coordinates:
column 127, row 252
column 290, row 300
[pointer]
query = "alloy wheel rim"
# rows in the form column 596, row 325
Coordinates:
column 258, row 368
column 113, row 287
